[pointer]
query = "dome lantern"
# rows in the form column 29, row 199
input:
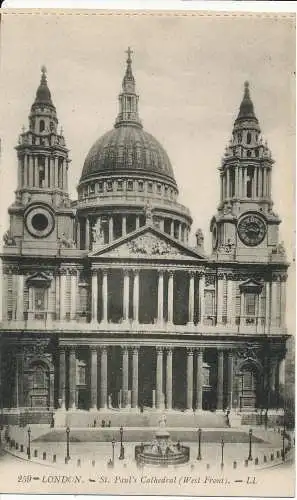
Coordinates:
column 128, row 99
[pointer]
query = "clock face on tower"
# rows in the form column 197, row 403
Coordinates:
column 39, row 222
column 251, row 230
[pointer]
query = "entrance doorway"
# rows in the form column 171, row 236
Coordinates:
column 249, row 387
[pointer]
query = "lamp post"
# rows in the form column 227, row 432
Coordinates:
column 222, row 453
column 250, row 457
column 199, row 445
column 284, row 448
column 122, row 449
column 29, row 444
column 67, row 443
column 112, row 459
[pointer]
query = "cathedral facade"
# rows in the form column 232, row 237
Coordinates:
column 105, row 303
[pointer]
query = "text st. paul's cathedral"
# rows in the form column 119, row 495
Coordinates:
column 106, row 305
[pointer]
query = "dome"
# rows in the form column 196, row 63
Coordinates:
column 43, row 95
column 127, row 148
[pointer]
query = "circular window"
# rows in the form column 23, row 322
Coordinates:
column 39, row 222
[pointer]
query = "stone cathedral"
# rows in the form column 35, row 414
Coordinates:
column 107, row 306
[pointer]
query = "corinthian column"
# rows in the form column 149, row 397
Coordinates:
column 160, row 296
column 169, row 379
column 94, row 295
column 103, row 382
column 126, row 295
column 125, row 375
column 170, row 297
column 134, row 395
column 159, row 378
column 94, row 388
column 191, row 298
column 136, row 296
column 189, row 379
column 104, row 296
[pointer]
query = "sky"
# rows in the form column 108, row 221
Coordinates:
column 189, row 71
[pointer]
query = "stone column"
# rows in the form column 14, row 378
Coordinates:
column 34, row 171
column 228, row 183
column 283, row 290
column 137, row 222
column 136, row 296
column 94, row 295
column 220, row 380
column 62, row 295
column 169, row 379
column 94, row 373
column 220, row 298
column 244, row 182
column 160, row 296
column 103, row 381
column 46, row 166
column 126, row 295
column 199, row 375
column 162, row 222
column 104, row 296
column 179, row 231
column 267, row 307
column 20, row 298
column 110, row 229
column 87, row 235
column 274, row 303
column 260, row 177
column 134, row 395
column 189, row 379
column 159, row 378
column 72, row 378
column 230, row 379
column 191, row 298
column 125, row 376
column 201, row 296
column 57, row 297
column 124, row 225
column 231, row 302
column 170, row 297
column 73, row 279
column 242, row 318
column 172, row 229
column 236, row 183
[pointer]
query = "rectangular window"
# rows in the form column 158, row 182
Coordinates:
column 109, row 186
column 130, row 186
column 120, row 185
column 150, row 187
column 250, row 304
column 159, row 188
column 92, row 188
column 100, row 187
column 39, row 299
column 140, row 186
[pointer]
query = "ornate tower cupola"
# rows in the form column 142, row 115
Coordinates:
column 245, row 224
column 42, row 153
column 128, row 99
column 41, row 214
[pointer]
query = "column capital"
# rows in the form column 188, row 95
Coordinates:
column 199, row 350
column 135, row 270
column 170, row 273
column 161, row 270
column 169, row 350
column 159, row 349
column 135, row 349
column 190, row 351
column 126, row 271
column 125, row 349
column 103, row 348
column 191, row 273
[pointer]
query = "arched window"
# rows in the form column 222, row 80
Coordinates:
column 41, row 126
column 248, row 138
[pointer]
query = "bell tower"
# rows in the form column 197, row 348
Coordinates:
column 42, row 212
column 245, row 227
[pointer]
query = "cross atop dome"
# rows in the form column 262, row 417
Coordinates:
column 129, row 52
column 128, row 112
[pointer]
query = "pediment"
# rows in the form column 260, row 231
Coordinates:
column 147, row 243
column 39, row 280
column 251, row 286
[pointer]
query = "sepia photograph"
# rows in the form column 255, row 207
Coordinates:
column 147, row 219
